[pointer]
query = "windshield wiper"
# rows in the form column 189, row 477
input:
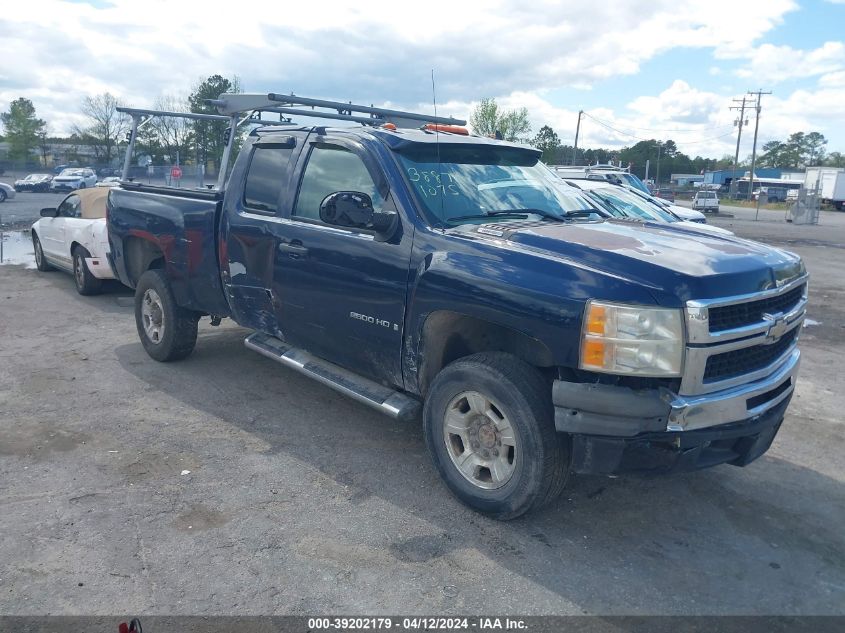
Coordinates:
column 517, row 213
column 523, row 213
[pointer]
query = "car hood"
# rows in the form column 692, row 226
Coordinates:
column 68, row 178
column 676, row 263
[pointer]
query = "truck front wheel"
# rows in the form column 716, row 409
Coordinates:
column 489, row 427
column 167, row 331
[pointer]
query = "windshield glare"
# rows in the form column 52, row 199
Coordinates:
column 472, row 181
column 72, row 172
column 621, row 202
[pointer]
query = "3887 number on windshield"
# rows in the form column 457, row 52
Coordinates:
column 431, row 183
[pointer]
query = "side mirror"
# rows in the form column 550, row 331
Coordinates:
column 49, row 213
column 355, row 209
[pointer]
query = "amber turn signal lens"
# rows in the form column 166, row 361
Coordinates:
column 592, row 353
column 596, row 319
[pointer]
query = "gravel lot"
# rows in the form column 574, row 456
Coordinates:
column 226, row 484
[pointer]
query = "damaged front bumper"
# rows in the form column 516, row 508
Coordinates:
column 618, row 430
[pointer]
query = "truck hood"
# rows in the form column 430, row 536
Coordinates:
column 669, row 259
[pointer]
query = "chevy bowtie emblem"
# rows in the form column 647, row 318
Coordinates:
column 777, row 328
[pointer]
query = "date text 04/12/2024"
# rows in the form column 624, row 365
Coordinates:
column 422, row 623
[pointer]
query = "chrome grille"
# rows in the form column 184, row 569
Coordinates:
column 741, row 314
column 747, row 359
column 732, row 341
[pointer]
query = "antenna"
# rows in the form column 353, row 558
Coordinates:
column 442, row 191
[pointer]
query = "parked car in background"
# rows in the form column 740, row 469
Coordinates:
column 111, row 181
column 6, row 192
column 621, row 201
column 705, row 201
column 34, row 182
column 74, row 178
column 666, row 194
column 682, row 213
column 73, row 238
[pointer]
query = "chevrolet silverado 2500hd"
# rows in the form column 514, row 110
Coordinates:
column 444, row 275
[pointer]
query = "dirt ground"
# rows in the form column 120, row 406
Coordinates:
column 226, row 484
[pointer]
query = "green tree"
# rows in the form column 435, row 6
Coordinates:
column 487, row 119
column 209, row 135
column 775, row 153
column 22, row 129
column 814, row 144
column 548, row 142
column 106, row 126
column 835, row 159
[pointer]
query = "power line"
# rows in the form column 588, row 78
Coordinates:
column 647, row 129
column 639, row 138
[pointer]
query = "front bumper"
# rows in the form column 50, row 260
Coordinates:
column 737, row 444
column 666, row 431
column 64, row 186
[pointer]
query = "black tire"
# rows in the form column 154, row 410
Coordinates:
column 2, row 195
column 86, row 283
column 541, row 456
column 179, row 326
column 82, row 185
column 40, row 260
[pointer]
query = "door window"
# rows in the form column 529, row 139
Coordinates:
column 69, row 208
column 332, row 169
column 264, row 180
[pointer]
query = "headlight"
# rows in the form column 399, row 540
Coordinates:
column 620, row 339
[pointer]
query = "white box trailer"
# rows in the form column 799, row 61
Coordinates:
column 831, row 183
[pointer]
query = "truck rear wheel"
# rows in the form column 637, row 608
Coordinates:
column 489, row 427
column 167, row 331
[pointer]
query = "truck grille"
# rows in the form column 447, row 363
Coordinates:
column 748, row 359
column 740, row 314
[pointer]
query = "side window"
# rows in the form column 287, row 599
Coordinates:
column 264, row 178
column 70, row 207
column 331, row 169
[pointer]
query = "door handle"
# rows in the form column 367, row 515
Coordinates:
column 294, row 249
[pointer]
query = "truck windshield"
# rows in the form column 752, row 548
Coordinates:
column 470, row 184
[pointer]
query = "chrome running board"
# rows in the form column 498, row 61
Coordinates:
column 389, row 401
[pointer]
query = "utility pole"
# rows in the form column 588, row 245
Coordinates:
column 757, row 107
column 657, row 178
column 739, row 123
column 577, row 131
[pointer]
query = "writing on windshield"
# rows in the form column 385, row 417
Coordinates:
column 467, row 183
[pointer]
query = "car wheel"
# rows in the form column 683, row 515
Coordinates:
column 40, row 261
column 86, row 283
column 82, row 185
column 489, row 427
column 2, row 195
column 167, row 331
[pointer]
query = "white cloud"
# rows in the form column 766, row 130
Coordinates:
column 56, row 52
column 769, row 64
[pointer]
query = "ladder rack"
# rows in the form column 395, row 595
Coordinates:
column 232, row 106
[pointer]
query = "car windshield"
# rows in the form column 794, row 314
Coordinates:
column 630, row 205
column 473, row 184
column 632, row 181
column 71, row 172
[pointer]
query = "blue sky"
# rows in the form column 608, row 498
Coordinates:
column 646, row 68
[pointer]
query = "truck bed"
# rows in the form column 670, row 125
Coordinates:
column 176, row 229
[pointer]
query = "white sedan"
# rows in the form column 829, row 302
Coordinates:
column 74, row 178
column 73, row 238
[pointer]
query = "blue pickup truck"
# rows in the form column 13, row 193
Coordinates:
column 455, row 279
